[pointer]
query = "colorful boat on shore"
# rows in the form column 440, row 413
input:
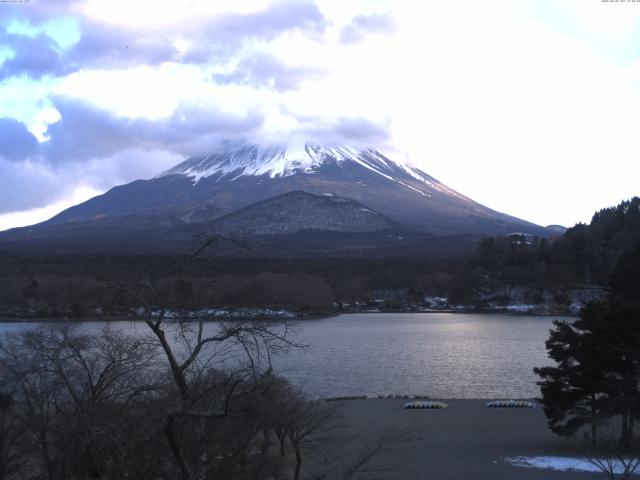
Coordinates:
column 510, row 404
column 416, row 404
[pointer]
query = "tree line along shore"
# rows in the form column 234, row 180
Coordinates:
column 556, row 275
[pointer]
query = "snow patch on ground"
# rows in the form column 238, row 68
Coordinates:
column 520, row 307
column 564, row 464
column 221, row 313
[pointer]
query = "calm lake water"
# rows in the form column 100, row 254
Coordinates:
column 442, row 355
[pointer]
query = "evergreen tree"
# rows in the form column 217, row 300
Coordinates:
column 597, row 372
column 625, row 278
column 616, row 328
column 573, row 392
column 625, row 312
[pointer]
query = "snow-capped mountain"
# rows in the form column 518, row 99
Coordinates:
column 238, row 174
column 238, row 159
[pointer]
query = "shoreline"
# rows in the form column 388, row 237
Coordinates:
column 297, row 318
column 406, row 398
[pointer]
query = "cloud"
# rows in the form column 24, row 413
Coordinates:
column 263, row 69
column 16, row 142
column 102, row 45
column 361, row 129
column 33, row 185
column 125, row 166
column 87, row 132
column 107, row 46
column 362, row 25
column 94, row 147
column 221, row 37
column 268, row 23
column 36, row 215
column 344, row 130
column 26, row 185
column 36, row 11
column 32, row 56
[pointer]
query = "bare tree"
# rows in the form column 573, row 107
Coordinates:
column 10, row 437
column 277, row 397
column 191, row 349
column 71, row 390
column 616, row 460
column 101, row 375
column 337, row 464
column 310, row 419
column 36, row 392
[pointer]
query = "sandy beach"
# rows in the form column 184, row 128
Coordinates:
column 465, row 441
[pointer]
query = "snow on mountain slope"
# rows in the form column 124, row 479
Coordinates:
column 239, row 174
column 237, row 159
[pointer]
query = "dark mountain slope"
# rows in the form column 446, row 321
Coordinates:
column 294, row 224
column 296, row 211
column 128, row 233
column 204, row 188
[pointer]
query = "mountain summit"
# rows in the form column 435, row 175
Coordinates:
column 241, row 159
column 201, row 190
column 239, row 174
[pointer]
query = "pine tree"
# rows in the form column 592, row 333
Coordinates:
column 597, row 372
column 574, row 391
column 615, row 327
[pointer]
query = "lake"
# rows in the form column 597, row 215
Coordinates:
column 445, row 355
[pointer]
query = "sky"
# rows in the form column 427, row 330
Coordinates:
column 530, row 107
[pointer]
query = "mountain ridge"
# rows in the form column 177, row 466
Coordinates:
column 199, row 191
column 241, row 174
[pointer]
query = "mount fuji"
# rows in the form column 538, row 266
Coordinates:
column 240, row 185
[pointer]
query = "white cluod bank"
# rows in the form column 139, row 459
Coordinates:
column 564, row 464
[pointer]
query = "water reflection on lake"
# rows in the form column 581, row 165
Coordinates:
column 437, row 354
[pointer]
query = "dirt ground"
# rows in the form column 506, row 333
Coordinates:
column 465, row 441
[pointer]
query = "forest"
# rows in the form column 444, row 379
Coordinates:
column 86, row 285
